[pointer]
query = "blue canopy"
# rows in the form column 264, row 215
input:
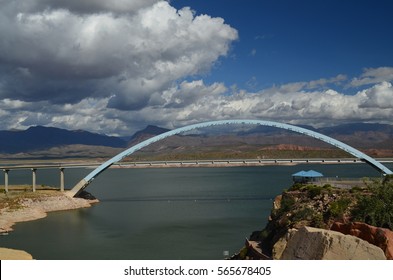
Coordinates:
column 308, row 174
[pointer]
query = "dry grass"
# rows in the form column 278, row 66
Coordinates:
column 18, row 193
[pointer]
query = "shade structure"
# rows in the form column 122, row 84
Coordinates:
column 308, row 174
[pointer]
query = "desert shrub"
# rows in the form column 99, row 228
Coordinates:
column 313, row 190
column 287, row 203
column 305, row 213
column 296, row 186
column 356, row 189
column 377, row 208
column 337, row 208
column 317, row 221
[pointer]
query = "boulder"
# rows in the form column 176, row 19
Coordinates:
column 281, row 244
column 319, row 244
column 380, row 237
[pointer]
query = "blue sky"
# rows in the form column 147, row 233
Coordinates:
column 287, row 41
column 114, row 67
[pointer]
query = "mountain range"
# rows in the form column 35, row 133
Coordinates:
column 51, row 142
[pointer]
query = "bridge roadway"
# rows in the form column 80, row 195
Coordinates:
column 172, row 163
column 188, row 162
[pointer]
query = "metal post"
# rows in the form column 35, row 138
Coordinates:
column 62, row 179
column 6, row 179
column 34, row 178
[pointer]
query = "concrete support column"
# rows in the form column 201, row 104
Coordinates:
column 6, row 179
column 62, row 179
column 34, row 178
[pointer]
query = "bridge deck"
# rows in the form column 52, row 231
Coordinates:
column 175, row 163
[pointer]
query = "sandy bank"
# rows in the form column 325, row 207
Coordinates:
column 11, row 254
column 33, row 208
column 20, row 208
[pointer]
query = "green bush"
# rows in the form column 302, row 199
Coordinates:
column 356, row 189
column 296, row 186
column 303, row 214
column 377, row 208
column 317, row 221
column 313, row 190
column 337, row 208
column 287, row 203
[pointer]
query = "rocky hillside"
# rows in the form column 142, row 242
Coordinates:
column 330, row 222
column 375, row 140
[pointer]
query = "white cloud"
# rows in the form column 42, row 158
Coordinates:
column 379, row 96
column 194, row 101
column 373, row 76
column 129, row 56
column 82, row 6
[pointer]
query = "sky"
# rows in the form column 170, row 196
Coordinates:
column 114, row 67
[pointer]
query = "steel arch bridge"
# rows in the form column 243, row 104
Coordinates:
column 358, row 154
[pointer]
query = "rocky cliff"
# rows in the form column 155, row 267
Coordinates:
column 310, row 243
column 325, row 222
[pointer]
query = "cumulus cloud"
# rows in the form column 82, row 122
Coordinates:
column 194, row 101
column 65, row 51
column 379, row 96
column 288, row 103
column 90, row 6
column 373, row 76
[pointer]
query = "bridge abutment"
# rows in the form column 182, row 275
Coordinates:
column 77, row 188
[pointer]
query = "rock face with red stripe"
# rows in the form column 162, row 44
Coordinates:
column 378, row 236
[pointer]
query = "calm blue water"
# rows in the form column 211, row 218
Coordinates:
column 168, row 213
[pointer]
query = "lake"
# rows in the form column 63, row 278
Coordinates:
column 161, row 213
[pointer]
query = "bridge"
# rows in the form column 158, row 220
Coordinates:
column 101, row 167
column 173, row 163
column 358, row 154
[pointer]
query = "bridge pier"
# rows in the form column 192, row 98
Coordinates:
column 34, row 171
column 62, row 179
column 6, row 180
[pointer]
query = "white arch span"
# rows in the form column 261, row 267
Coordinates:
column 90, row 177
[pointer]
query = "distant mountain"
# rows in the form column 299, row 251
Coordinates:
column 362, row 135
column 41, row 138
column 374, row 139
column 353, row 128
column 146, row 133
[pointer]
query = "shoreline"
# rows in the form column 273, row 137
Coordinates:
column 24, row 209
column 37, row 207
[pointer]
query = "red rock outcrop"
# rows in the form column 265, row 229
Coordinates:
column 380, row 237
